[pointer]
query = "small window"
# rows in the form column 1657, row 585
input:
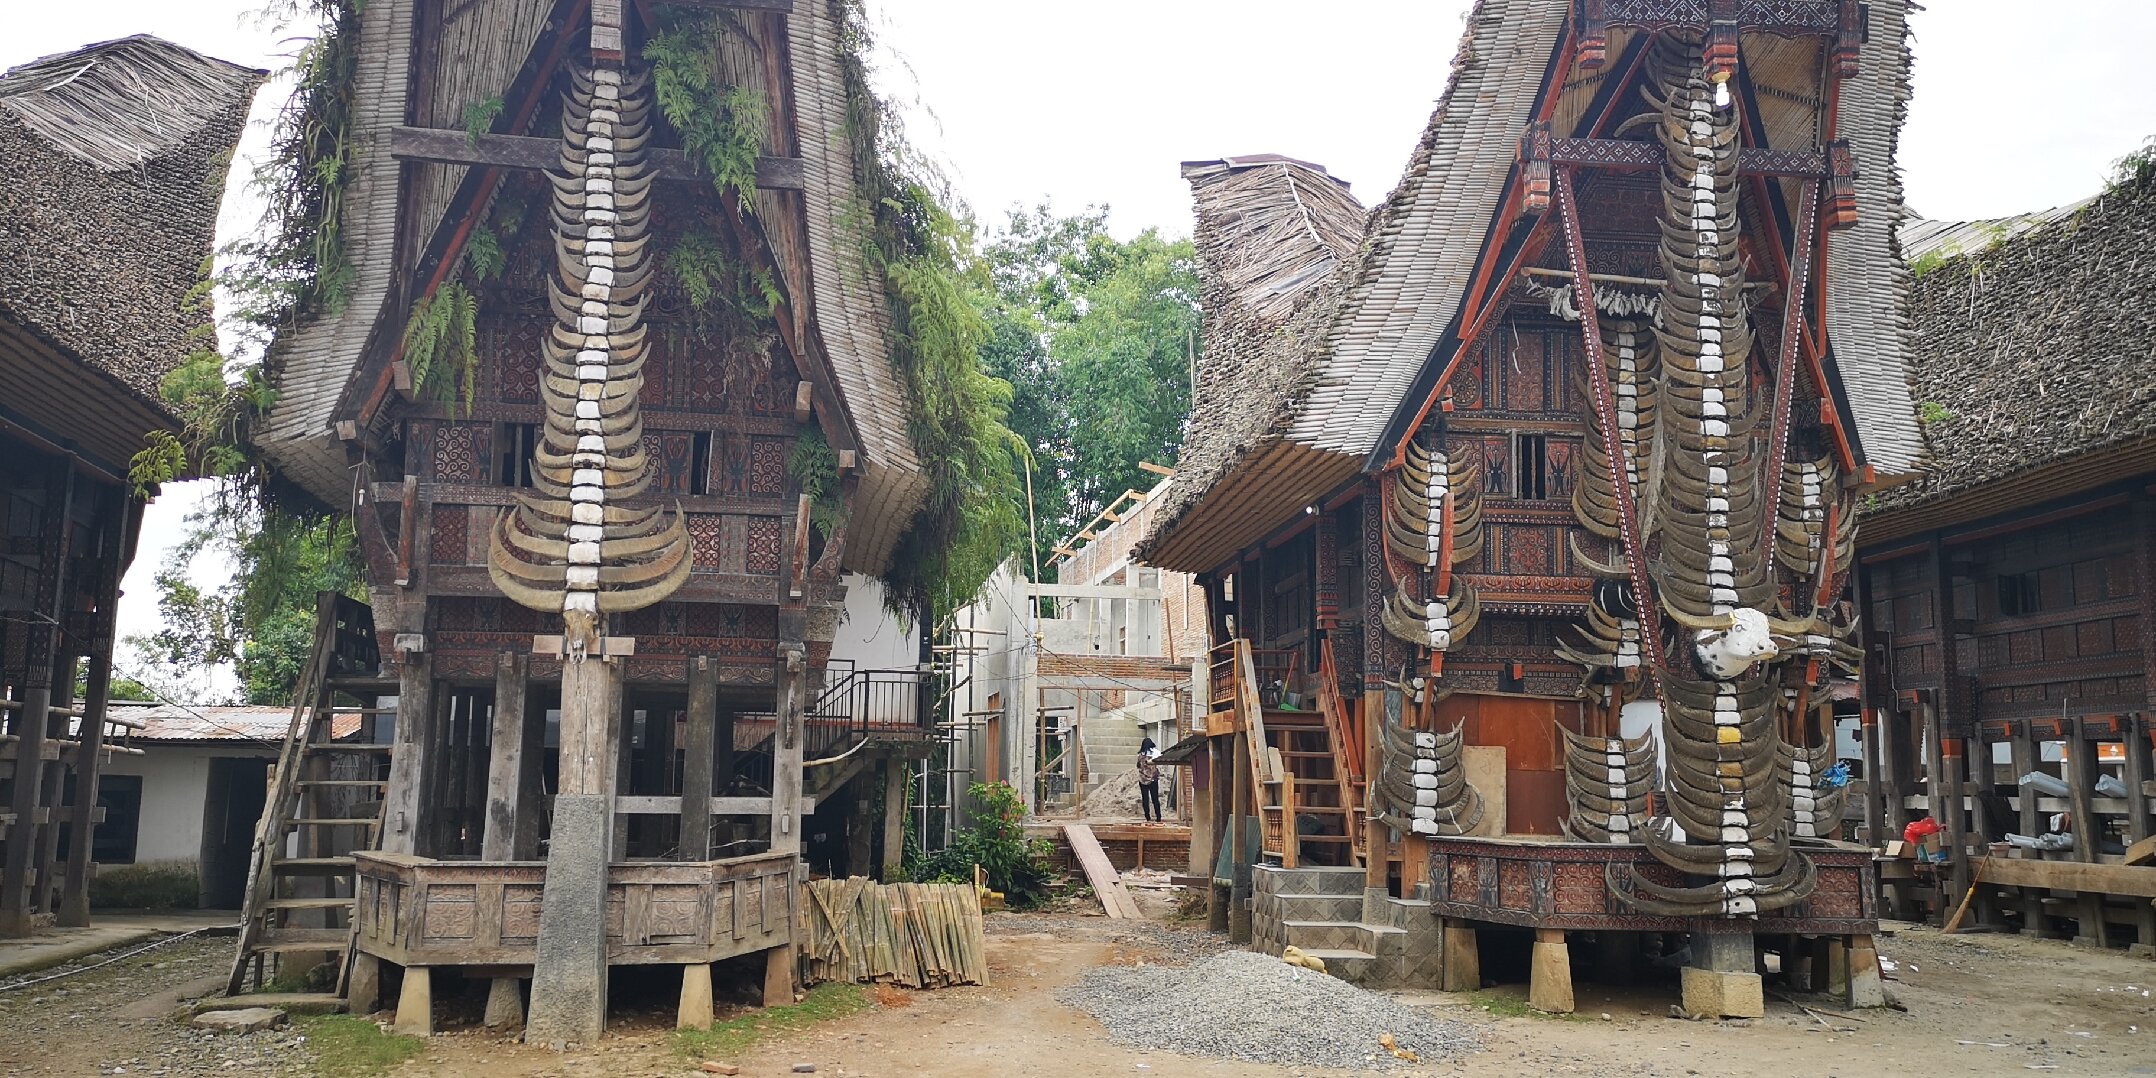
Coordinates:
column 1530, row 466
column 2019, row 594
column 518, row 442
column 700, row 463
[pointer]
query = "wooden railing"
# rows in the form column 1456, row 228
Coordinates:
column 1347, row 746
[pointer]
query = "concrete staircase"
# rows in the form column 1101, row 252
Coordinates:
column 1364, row 936
column 1110, row 743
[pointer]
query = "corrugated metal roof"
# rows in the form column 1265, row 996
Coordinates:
column 171, row 722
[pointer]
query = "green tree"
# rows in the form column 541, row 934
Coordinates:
column 1093, row 334
column 262, row 621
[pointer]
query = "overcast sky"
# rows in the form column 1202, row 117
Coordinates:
column 2018, row 106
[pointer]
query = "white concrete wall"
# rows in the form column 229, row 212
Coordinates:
column 175, row 780
column 871, row 636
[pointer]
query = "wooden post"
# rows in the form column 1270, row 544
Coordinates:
column 1243, row 801
column 787, row 749
column 115, row 548
column 47, row 855
column 409, row 762
column 1220, row 764
column 2027, row 758
column 697, row 760
column 505, row 770
column 34, row 718
column 2080, row 778
column 532, row 801
column 1874, row 780
column 1948, row 782
column 505, row 777
column 894, row 819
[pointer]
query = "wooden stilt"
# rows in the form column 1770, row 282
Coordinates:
column 1549, row 986
column 698, row 759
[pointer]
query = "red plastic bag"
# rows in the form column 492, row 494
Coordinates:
column 1917, row 829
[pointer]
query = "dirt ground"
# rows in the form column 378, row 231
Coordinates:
column 1976, row 1004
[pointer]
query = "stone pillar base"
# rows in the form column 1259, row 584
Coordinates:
column 505, row 1003
column 1461, row 958
column 779, row 971
column 695, row 1010
column 569, row 977
column 1549, row 985
column 1866, row 988
column 415, row 1003
column 363, row 989
column 1713, row 994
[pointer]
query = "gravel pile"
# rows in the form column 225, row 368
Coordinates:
column 1253, row 1007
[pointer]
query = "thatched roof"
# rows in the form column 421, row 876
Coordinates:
column 1272, row 235
column 1320, row 416
column 2034, row 350
column 478, row 52
column 115, row 156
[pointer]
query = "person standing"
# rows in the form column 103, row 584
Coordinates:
column 1148, row 779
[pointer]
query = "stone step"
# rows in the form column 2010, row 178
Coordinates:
column 1316, row 907
column 1371, row 939
column 1324, row 880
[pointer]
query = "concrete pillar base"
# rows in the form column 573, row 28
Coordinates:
column 1549, row 985
column 505, row 1003
column 695, row 1011
column 1714, row 994
column 1866, row 987
column 1461, row 958
column 415, row 1003
column 1216, row 908
column 779, row 976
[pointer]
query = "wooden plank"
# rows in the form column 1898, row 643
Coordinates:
column 449, row 147
column 1107, row 883
column 2130, row 880
column 782, row 6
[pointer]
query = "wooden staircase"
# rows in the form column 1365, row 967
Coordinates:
column 324, row 804
column 1306, row 764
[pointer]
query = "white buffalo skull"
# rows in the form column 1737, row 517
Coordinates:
column 1747, row 641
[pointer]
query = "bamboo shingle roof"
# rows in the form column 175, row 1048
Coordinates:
column 2034, row 353
column 481, row 48
column 1305, row 425
column 115, row 156
column 1272, row 236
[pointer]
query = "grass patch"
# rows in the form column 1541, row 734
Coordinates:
column 1506, row 1005
column 346, row 1046
column 735, row 1035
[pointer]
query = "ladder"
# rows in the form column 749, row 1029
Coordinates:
column 324, row 803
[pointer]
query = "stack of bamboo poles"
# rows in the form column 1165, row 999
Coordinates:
column 920, row 935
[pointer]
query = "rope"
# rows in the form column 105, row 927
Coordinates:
column 110, row 961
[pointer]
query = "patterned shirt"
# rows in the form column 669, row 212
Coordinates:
column 1148, row 771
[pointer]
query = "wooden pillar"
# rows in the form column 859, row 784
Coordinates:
column 532, row 804
column 2080, row 778
column 115, row 549
column 2027, row 758
column 1244, row 800
column 409, row 761
column 894, row 819
column 505, row 770
column 505, row 778
column 787, row 749
column 1874, row 780
column 34, row 718
column 697, row 760
column 1220, row 762
column 1948, row 782
column 45, row 895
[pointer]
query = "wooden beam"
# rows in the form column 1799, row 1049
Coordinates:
column 662, row 805
column 781, row 6
column 450, row 147
column 2128, row 880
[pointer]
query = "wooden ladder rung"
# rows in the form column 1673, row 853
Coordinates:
column 346, row 746
column 308, row 903
column 312, row 865
column 342, row 782
column 316, row 821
